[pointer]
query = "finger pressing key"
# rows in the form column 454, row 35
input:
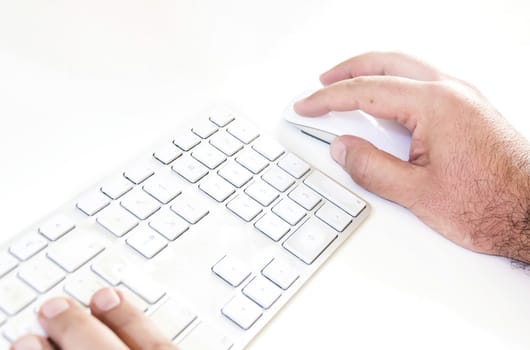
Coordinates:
column 31, row 342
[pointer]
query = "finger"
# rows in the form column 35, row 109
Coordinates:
column 381, row 63
column 385, row 97
column 130, row 324
column 377, row 171
column 71, row 327
column 31, row 342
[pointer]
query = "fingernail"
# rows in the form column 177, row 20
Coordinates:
column 106, row 299
column 54, row 307
column 338, row 151
column 27, row 343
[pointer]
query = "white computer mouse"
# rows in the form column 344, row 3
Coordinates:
column 387, row 135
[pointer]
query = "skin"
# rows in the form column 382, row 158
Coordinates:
column 468, row 177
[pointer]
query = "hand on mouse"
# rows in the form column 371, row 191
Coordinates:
column 113, row 324
column 468, row 174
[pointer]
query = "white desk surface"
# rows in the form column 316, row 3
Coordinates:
column 86, row 83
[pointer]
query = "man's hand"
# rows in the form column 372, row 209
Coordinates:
column 468, row 174
column 113, row 324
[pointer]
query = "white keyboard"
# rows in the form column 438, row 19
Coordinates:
column 210, row 233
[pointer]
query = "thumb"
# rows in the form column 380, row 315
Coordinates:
column 377, row 171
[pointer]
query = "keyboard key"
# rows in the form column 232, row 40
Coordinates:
column 281, row 273
column 205, row 337
column 208, row 155
column 140, row 204
column 110, row 267
column 243, row 131
column 15, row 295
column 75, row 250
column 226, row 143
column 171, row 318
column 333, row 216
column 242, row 311
column 168, row 224
column 7, row 263
column 221, row 117
column 252, row 160
column 305, row 196
column 146, row 241
column 167, row 153
column 41, row 274
column 190, row 208
column 268, row 148
column 186, row 140
column 272, row 226
column 117, row 220
column 21, row 325
column 163, row 187
column 139, row 172
column 56, row 227
column 235, row 174
column 293, row 165
column 244, row 207
column 335, row 193
column 117, row 187
column 143, row 285
column 83, row 285
column 262, row 192
column 189, row 168
column 216, row 187
column 204, row 129
column 231, row 270
column 278, row 178
column 27, row 246
column 289, row 211
column 93, row 202
column 262, row 292
column 310, row 240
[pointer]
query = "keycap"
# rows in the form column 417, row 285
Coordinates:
column 75, row 250
column 167, row 153
column 305, row 196
column 243, row 131
column 335, row 193
column 116, row 187
column 163, row 187
column 231, row 270
column 262, row 192
column 271, row 225
column 208, row 155
column 205, row 337
column 235, row 174
column 289, row 211
column 189, row 168
column 172, row 317
column 41, row 274
column 146, row 241
column 204, row 129
column 244, row 207
column 186, row 140
column 281, row 273
column 278, row 178
column 168, row 224
column 92, row 202
column 22, row 325
column 110, row 267
column 56, row 227
column 310, row 240
column 217, row 188
column 293, row 165
column 268, row 148
column 27, row 246
column 262, row 292
column 334, row 216
column 7, row 263
column 140, row 204
column 144, row 286
column 83, row 285
column 139, row 172
column 191, row 209
column 226, row 143
column 242, row 311
column 117, row 220
column 252, row 160
column 15, row 295
column 221, row 117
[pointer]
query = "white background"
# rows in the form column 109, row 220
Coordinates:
column 85, row 85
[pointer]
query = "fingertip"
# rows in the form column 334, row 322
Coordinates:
column 31, row 342
column 309, row 107
column 105, row 300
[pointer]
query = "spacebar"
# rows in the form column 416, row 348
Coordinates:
column 335, row 193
